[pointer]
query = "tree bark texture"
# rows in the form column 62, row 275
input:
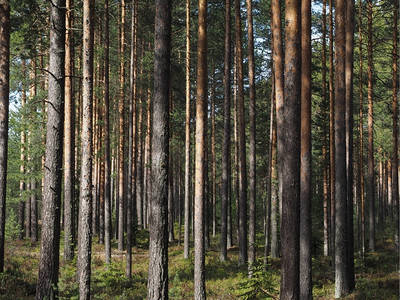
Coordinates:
column 349, row 28
column 69, row 135
column 371, row 163
column 242, row 208
column 200, row 160
column 4, row 103
column 186, row 238
column 305, row 167
column 226, row 146
column 85, row 192
column 341, row 242
column 158, row 219
column 252, row 149
column 50, row 241
column 291, row 161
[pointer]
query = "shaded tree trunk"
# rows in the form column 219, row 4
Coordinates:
column 242, row 140
column 290, row 232
column 50, row 241
column 349, row 49
column 107, row 158
column 226, row 146
column 22, row 183
column 371, row 163
column 186, row 238
column 305, row 167
column 158, row 219
column 121, row 132
column 341, row 228
column 4, row 102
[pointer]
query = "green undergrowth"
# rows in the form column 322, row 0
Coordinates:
column 376, row 273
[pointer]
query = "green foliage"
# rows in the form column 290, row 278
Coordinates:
column 262, row 284
column 12, row 227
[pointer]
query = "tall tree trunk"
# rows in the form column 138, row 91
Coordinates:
column 242, row 140
column 131, row 185
column 361, row 129
column 107, row 158
column 200, row 176
column 69, row 131
column 371, row 163
column 326, row 189
column 85, row 193
column 395, row 83
column 4, row 102
column 331, row 136
column 252, row 149
column 121, row 132
column 213, row 156
column 305, row 167
column 349, row 48
column 50, row 242
column 226, row 146
column 290, row 232
column 341, row 242
column 22, row 182
column 278, row 58
column 186, row 238
column 271, row 186
column 158, row 218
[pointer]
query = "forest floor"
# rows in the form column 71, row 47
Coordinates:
column 376, row 274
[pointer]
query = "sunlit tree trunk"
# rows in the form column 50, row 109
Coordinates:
column 200, row 176
column 50, row 242
column 290, row 233
column 4, row 102
column 22, row 183
column 158, row 219
column 85, row 193
column 69, row 133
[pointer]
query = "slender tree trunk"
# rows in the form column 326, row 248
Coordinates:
column 278, row 58
column 131, row 193
column 50, row 242
column 4, row 102
column 326, row 203
column 395, row 84
column 252, row 149
column 158, row 218
column 349, row 49
column 242, row 140
column 69, row 130
column 341, row 228
column 186, row 238
column 200, row 176
column 22, row 182
column 305, row 167
column 226, row 146
column 290, row 232
column 331, row 136
column 121, row 131
column 85, row 194
column 107, row 158
column 371, row 163
column 361, row 129
column 213, row 156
